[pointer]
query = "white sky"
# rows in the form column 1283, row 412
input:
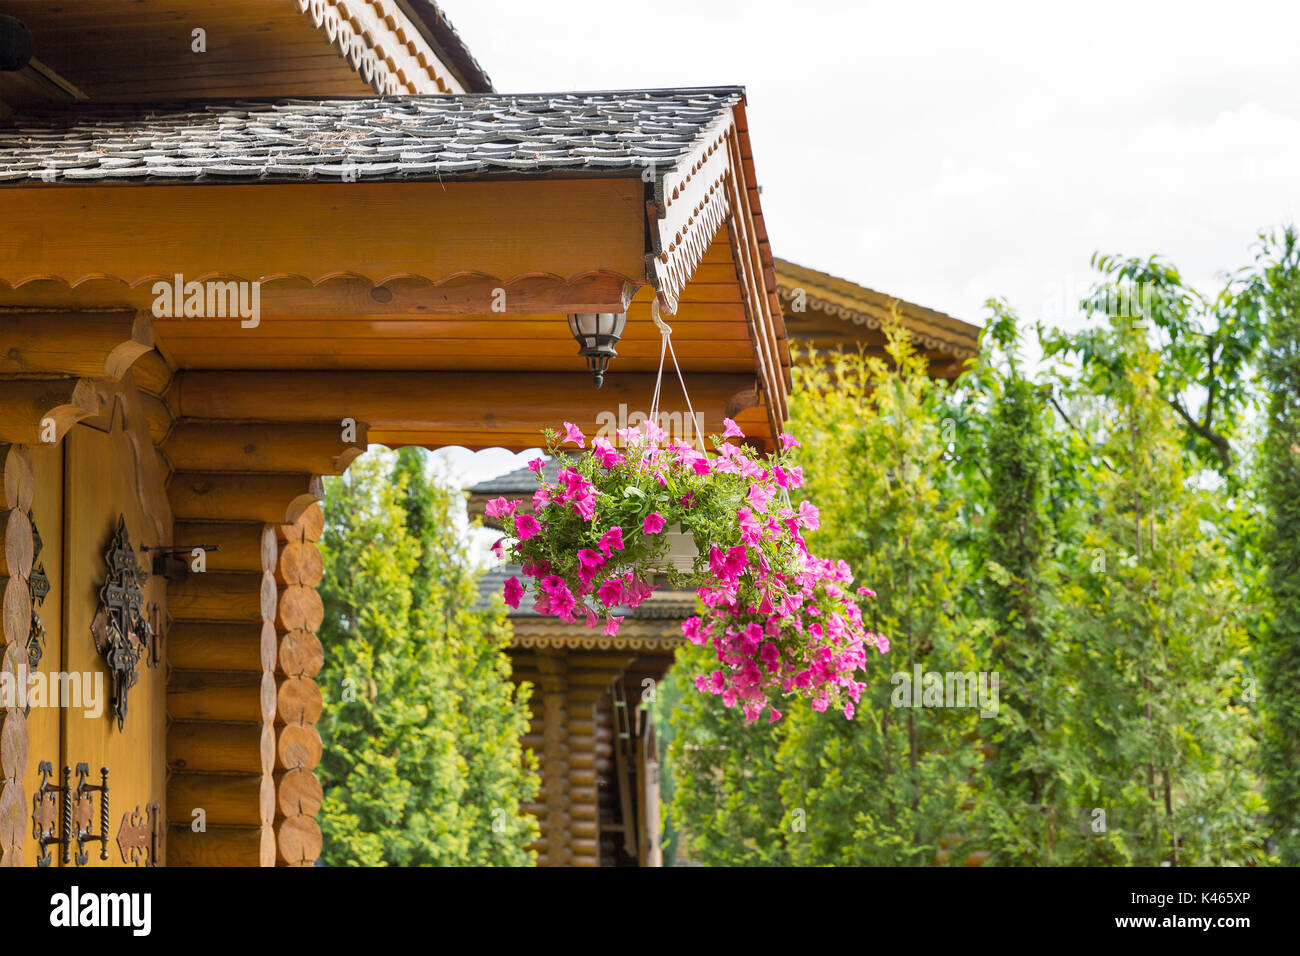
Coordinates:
column 947, row 152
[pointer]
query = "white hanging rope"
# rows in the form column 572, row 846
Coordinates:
column 666, row 347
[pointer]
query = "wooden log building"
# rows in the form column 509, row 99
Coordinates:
column 241, row 241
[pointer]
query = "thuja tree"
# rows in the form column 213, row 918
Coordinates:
column 421, row 725
column 1280, row 490
column 1007, row 459
column 726, row 804
column 1157, row 643
column 887, row 787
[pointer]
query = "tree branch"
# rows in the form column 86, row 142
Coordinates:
column 1220, row 443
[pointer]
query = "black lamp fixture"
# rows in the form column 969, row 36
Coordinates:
column 597, row 334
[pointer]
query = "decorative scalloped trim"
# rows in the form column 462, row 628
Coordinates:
column 598, row 642
column 343, row 275
column 397, row 62
column 857, row 317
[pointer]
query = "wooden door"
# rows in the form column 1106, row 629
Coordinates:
column 110, row 477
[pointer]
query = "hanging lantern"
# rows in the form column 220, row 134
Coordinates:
column 597, row 334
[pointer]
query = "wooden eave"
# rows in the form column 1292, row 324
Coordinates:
column 379, row 300
column 837, row 312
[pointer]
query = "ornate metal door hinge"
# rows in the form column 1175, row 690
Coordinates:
column 62, row 814
column 47, row 806
column 122, row 632
column 139, row 836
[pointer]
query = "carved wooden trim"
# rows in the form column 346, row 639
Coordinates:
column 599, row 642
column 382, row 45
column 690, row 204
column 400, row 293
column 870, row 320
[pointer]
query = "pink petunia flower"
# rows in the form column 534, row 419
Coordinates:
column 809, row 516
column 500, row 508
column 589, row 559
column 732, row 429
column 571, row 433
column 611, row 592
column 611, row 540
column 654, row 523
column 536, row 464
column 605, row 453
column 585, row 506
column 513, row 591
column 611, row 625
column 759, row 496
column 526, row 526
column 788, row 441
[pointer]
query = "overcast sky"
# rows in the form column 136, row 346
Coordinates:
column 948, row 152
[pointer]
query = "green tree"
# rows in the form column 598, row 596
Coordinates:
column 887, row 787
column 1008, row 470
column 421, row 728
column 726, row 803
column 1157, row 645
column 1280, row 490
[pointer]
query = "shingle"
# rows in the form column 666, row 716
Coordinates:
column 377, row 137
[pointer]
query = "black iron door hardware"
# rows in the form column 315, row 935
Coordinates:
column 83, row 812
column 62, row 815
column 47, row 806
column 122, row 632
column 168, row 562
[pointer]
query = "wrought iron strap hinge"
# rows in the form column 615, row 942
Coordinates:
column 65, row 814
column 139, row 838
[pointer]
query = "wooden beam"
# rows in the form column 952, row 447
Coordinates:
column 311, row 447
column 241, row 748
column 474, row 409
column 227, row 496
column 40, row 411
column 220, row 645
column 220, row 695
column 215, row 596
column 220, row 846
column 89, row 344
column 242, row 545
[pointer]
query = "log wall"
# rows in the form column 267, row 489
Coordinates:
column 16, row 496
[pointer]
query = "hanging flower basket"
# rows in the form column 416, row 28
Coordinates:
column 782, row 621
